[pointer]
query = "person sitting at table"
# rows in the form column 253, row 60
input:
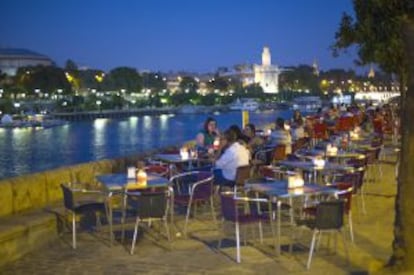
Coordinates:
column 255, row 142
column 296, row 118
column 241, row 137
column 281, row 136
column 205, row 138
column 234, row 155
column 297, row 130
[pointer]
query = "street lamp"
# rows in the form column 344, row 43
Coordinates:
column 98, row 102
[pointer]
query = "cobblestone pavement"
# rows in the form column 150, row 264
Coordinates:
column 197, row 254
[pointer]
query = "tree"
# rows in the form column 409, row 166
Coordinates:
column 376, row 31
column 383, row 31
column 123, row 78
column 188, row 84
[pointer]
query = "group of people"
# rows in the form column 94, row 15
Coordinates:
column 237, row 146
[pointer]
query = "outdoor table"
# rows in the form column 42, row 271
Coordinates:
column 340, row 156
column 277, row 190
column 309, row 166
column 174, row 159
column 119, row 183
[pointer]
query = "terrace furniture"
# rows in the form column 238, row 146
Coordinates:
column 115, row 185
column 192, row 188
column 328, row 218
column 146, row 207
column 76, row 207
column 232, row 212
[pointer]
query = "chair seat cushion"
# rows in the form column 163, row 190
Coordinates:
column 89, row 207
column 253, row 218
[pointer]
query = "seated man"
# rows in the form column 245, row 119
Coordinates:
column 234, row 155
column 281, row 136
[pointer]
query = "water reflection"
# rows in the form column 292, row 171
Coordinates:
column 28, row 150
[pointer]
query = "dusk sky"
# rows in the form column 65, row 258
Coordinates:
column 176, row 35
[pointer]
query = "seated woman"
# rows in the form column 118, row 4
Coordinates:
column 281, row 136
column 234, row 155
column 254, row 142
column 241, row 137
column 296, row 118
column 205, row 138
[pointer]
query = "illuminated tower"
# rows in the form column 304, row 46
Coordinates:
column 315, row 68
column 267, row 75
column 371, row 73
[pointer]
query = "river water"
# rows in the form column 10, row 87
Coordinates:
column 29, row 150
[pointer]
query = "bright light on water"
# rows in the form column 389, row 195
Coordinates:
column 28, row 150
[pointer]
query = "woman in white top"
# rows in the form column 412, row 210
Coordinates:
column 234, row 156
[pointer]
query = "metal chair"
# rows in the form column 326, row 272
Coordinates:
column 191, row 188
column 79, row 207
column 328, row 218
column 232, row 212
column 147, row 207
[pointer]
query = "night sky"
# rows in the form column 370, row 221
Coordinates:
column 192, row 35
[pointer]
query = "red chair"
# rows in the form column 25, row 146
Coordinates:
column 344, row 124
column 320, row 130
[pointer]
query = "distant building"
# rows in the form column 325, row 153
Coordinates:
column 267, row 75
column 371, row 73
column 13, row 59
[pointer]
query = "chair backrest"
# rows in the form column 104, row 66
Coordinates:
column 228, row 207
column 242, row 174
column 329, row 215
column 345, row 194
column 267, row 171
column 188, row 182
column 161, row 170
column 320, row 130
column 68, row 198
column 203, row 188
column 264, row 155
column 148, row 204
column 279, row 152
column 344, row 124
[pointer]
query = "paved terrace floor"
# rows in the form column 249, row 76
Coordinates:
column 197, row 254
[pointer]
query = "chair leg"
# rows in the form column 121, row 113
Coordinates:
column 351, row 228
column 73, row 230
column 187, row 216
column 123, row 218
column 221, row 239
column 312, row 248
column 108, row 213
column 261, row 232
column 345, row 245
column 237, row 242
column 167, row 229
column 135, row 236
column 213, row 213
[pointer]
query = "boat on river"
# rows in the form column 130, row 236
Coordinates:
column 31, row 121
column 245, row 104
